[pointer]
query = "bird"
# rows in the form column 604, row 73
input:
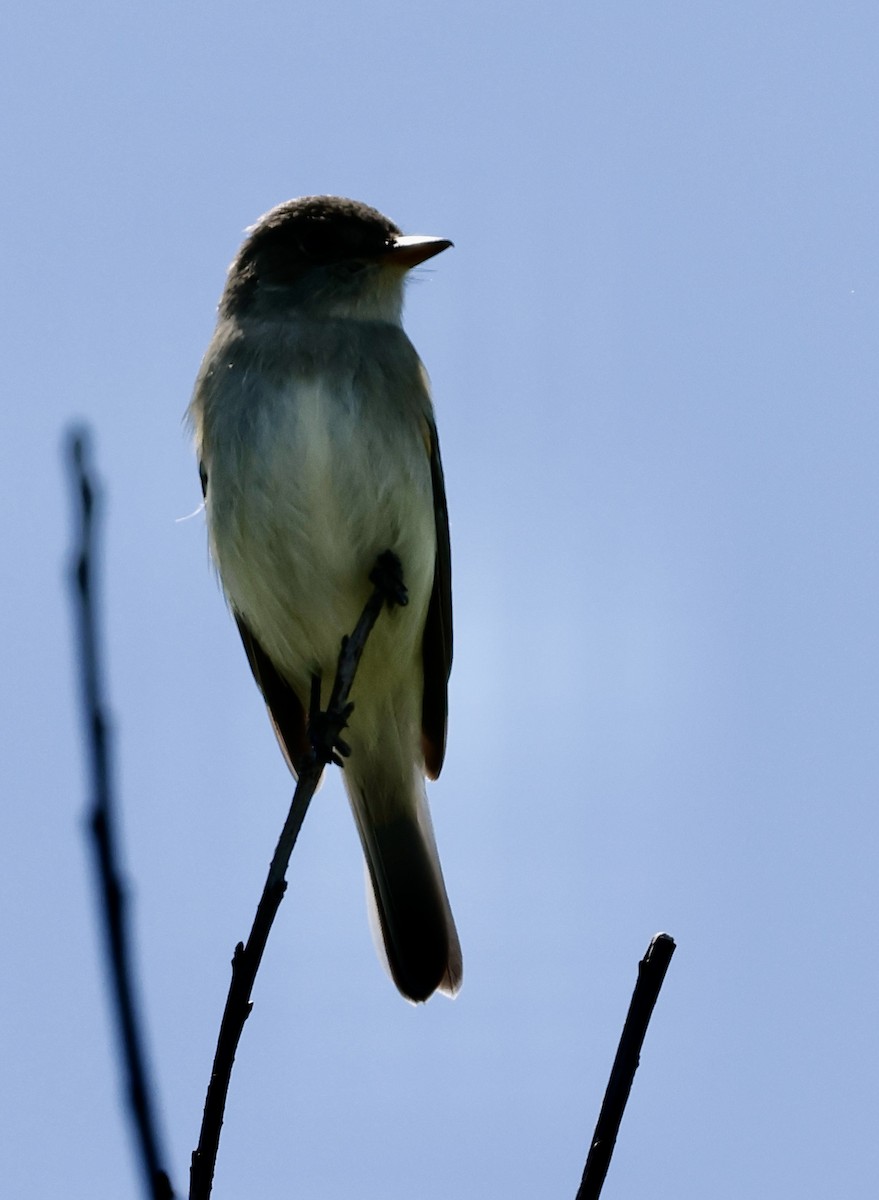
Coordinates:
column 318, row 452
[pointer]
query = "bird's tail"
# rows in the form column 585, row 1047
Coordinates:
column 410, row 906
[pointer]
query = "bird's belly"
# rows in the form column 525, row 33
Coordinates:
column 328, row 486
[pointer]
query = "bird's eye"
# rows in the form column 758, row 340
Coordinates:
column 314, row 244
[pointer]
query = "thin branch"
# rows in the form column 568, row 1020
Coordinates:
column 651, row 973
column 102, row 825
column 326, row 729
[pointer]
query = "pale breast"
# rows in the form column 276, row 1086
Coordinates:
column 323, row 471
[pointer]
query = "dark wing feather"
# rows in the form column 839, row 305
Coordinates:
column 285, row 707
column 437, row 645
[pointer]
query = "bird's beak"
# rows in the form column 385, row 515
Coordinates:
column 410, row 250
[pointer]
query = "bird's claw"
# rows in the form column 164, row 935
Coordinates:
column 387, row 576
column 325, row 732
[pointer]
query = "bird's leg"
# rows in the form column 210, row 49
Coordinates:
column 325, row 728
column 387, row 577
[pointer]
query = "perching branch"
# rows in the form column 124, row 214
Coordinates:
column 327, row 745
column 651, row 973
column 102, row 825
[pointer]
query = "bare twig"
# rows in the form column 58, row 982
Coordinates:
column 651, row 973
column 246, row 959
column 102, row 826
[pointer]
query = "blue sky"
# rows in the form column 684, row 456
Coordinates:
column 654, row 359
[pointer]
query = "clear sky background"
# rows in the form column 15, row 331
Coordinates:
column 654, row 356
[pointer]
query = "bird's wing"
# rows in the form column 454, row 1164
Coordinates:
column 285, row 707
column 437, row 645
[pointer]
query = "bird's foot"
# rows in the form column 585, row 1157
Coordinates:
column 387, row 576
column 325, row 728
column 325, row 732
